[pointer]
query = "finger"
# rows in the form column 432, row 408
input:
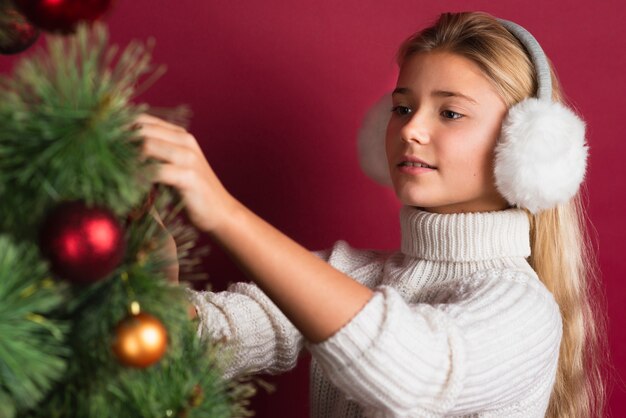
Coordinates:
column 172, row 175
column 183, row 138
column 166, row 151
column 166, row 134
column 147, row 118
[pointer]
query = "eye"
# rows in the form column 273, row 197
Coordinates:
column 401, row 110
column 449, row 114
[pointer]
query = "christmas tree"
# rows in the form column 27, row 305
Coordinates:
column 90, row 326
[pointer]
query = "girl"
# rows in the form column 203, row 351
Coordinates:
column 483, row 311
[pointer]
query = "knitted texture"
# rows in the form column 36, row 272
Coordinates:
column 459, row 325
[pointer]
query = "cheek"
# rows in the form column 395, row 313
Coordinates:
column 477, row 153
column 467, row 160
column 466, row 167
column 480, row 166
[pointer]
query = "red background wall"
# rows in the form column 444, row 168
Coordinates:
column 279, row 88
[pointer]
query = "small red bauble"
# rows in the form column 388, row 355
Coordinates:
column 16, row 33
column 83, row 244
column 62, row 15
column 140, row 340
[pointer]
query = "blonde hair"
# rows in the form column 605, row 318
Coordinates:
column 561, row 249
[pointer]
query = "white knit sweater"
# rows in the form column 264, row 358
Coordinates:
column 459, row 325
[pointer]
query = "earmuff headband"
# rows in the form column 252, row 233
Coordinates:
column 538, row 57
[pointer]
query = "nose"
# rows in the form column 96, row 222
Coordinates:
column 415, row 130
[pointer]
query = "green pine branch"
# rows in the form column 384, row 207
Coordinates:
column 65, row 116
column 186, row 384
column 32, row 346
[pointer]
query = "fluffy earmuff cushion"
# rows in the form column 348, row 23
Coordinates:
column 371, row 141
column 541, row 156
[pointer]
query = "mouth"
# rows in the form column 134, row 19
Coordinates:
column 415, row 164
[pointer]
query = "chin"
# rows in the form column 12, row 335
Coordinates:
column 412, row 194
column 413, row 201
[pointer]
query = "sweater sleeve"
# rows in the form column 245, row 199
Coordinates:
column 254, row 335
column 486, row 343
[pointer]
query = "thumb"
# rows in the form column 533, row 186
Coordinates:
column 146, row 171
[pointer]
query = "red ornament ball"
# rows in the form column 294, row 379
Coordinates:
column 16, row 33
column 83, row 244
column 140, row 340
column 62, row 15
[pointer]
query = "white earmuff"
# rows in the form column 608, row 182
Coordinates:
column 541, row 156
column 371, row 141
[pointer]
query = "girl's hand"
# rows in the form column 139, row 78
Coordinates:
column 184, row 167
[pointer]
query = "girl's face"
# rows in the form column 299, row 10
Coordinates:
column 447, row 114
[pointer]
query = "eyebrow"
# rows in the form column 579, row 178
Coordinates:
column 437, row 93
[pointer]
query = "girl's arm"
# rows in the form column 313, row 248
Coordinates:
column 317, row 298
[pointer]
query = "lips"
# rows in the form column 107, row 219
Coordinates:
column 411, row 161
column 411, row 164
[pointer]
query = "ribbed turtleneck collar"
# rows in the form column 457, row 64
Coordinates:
column 462, row 237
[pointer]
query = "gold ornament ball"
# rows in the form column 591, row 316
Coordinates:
column 140, row 340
